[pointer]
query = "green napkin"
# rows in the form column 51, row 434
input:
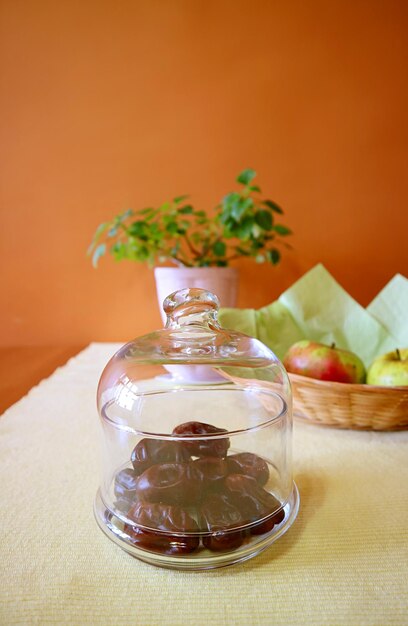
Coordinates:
column 316, row 307
column 390, row 307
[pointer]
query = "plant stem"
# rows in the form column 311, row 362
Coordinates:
column 179, row 262
column 205, row 249
column 191, row 247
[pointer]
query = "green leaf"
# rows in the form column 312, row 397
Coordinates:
column 282, row 230
column 186, row 210
column 164, row 207
column 113, row 231
column 227, row 233
column 229, row 201
column 255, row 188
column 154, row 229
column 264, row 219
column 245, row 204
column 244, row 229
column 235, row 206
column 272, row 206
column 101, row 228
column 273, row 256
column 242, row 251
column 148, row 213
column 225, row 218
column 119, row 251
column 238, row 210
column 125, row 215
column 219, row 248
column 137, row 229
column 99, row 251
column 246, row 176
column 172, row 228
column 256, row 244
column 179, row 199
column 142, row 254
column 99, row 231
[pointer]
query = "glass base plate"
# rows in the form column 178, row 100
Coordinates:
column 203, row 559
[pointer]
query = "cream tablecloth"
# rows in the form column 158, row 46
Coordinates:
column 345, row 560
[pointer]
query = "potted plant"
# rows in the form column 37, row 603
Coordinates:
column 200, row 245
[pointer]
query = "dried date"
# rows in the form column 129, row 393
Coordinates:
column 170, row 483
column 211, row 470
column 206, row 446
column 125, row 483
column 220, row 517
column 251, row 499
column 269, row 523
column 163, row 528
column 249, row 464
column 149, row 452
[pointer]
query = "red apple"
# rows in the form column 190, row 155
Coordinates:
column 316, row 360
column 390, row 369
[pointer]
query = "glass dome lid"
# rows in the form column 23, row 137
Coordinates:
column 192, row 350
column 196, row 452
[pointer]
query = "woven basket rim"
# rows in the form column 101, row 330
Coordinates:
column 347, row 387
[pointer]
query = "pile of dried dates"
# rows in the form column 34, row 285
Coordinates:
column 179, row 492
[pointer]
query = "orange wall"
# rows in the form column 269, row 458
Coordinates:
column 113, row 104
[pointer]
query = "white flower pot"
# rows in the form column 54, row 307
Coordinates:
column 222, row 281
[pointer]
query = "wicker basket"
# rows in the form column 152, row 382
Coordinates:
column 350, row 406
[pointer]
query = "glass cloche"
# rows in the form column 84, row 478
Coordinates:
column 197, row 435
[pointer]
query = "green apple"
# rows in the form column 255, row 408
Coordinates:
column 389, row 370
column 318, row 360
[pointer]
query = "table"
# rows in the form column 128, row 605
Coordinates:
column 344, row 561
column 22, row 367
